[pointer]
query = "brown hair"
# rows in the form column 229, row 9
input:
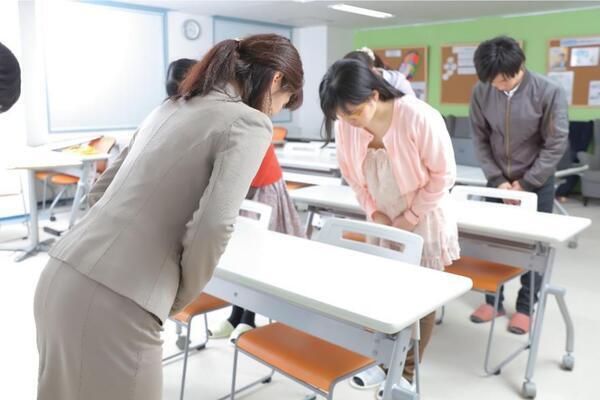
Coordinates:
column 363, row 56
column 251, row 63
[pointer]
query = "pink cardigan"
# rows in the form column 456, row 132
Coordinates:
column 420, row 151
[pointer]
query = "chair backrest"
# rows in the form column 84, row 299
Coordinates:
column 303, row 149
column 102, row 145
column 464, row 151
column 595, row 159
column 335, row 232
column 450, row 121
column 527, row 200
column 255, row 211
column 462, row 127
column 279, row 133
column 566, row 161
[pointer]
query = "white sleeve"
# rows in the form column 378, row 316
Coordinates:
column 398, row 80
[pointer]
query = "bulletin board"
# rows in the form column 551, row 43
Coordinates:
column 412, row 62
column 575, row 64
column 458, row 74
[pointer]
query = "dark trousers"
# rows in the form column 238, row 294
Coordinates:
column 545, row 204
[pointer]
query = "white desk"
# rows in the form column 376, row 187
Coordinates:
column 35, row 159
column 309, row 163
column 524, row 239
column 468, row 175
column 371, row 314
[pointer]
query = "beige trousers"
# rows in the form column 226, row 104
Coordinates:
column 94, row 344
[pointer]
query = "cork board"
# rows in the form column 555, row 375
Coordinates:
column 457, row 71
column 410, row 60
column 575, row 64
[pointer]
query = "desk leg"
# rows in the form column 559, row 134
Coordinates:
column 309, row 220
column 392, row 390
column 82, row 186
column 34, row 238
column 573, row 243
column 529, row 389
column 559, row 293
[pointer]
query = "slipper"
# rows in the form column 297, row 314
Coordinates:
column 519, row 324
column 485, row 313
column 241, row 328
column 368, row 378
column 223, row 330
column 404, row 384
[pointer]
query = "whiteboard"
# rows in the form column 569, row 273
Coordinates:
column 105, row 65
column 228, row 28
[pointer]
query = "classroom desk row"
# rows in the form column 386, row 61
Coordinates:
column 488, row 231
column 304, row 294
column 304, row 167
column 34, row 159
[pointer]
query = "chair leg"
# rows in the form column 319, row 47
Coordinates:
column 441, row 318
column 185, row 358
column 44, row 197
column 417, row 361
column 206, row 336
column 56, row 199
column 235, row 361
column 491, row 335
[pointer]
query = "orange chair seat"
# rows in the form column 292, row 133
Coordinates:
column 42, row 175
column 203, row 304
column 486, row 275
column 305, row 357
column 62, row 179
column 279, row 134
column 295, row 185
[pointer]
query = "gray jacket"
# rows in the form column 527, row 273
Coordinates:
column 520, row 138
column 166, row 207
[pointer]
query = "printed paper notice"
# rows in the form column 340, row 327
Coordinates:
column 594, row 94
column 393, row 53
column 467, row 71
column 558, row 58
column 584, row 56
column 564, row 79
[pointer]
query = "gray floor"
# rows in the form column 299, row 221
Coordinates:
column 452, row 367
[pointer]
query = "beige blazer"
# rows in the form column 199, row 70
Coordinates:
column 165, row 210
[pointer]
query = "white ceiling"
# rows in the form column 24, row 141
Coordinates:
column 310, row 13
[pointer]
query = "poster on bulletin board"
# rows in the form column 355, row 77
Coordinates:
column 410, row 61
column 574, row 63
column 458, row 73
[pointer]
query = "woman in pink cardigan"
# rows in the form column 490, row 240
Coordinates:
column 396, row 154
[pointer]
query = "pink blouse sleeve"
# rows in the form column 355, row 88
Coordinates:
column 435, row 151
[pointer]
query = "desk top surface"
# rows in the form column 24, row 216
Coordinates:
column 374, row 292
column 495, row 220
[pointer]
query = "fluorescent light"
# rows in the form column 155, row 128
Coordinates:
column 361, row 11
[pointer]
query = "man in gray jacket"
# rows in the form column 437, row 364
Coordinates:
column 520, row 131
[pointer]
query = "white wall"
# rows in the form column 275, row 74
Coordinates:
column 12, row 122
column 319, row 47
column 32, row 60
column 339, row 43
column 306, row 121
column 179, row 46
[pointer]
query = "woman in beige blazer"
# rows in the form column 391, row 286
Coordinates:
column 163, row 214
